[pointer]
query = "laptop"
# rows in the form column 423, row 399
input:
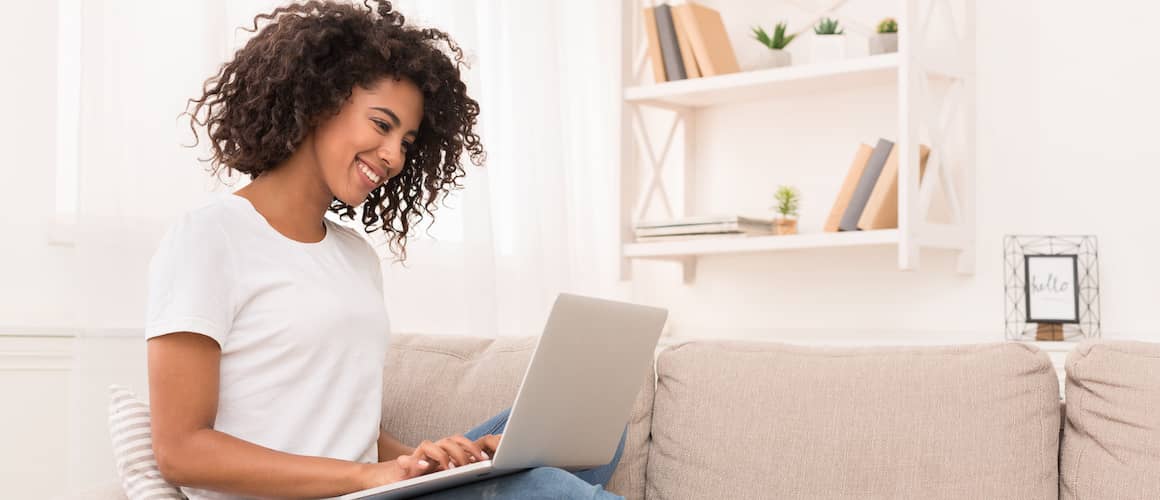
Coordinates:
column 575, row 399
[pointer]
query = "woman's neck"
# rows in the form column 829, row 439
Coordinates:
column 292, row 197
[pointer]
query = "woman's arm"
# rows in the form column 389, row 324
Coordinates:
column 390, row 447
column 183, row 391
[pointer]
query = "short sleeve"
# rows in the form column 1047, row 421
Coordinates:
column 190, row 281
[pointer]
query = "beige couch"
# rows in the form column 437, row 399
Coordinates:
column 772, row 421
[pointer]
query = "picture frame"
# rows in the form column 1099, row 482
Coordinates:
column 1051, row 288
column 1036, row 306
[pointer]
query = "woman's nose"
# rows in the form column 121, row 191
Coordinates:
column 392, row 157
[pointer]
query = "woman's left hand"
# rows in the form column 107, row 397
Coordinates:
column 489, row 444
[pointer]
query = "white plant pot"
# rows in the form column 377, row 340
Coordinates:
column 883, row 43
column 828, row 48
column 772, row 58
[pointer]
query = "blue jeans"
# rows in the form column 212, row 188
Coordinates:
column 548, row 483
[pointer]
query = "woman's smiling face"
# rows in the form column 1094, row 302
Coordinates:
column 366, row 143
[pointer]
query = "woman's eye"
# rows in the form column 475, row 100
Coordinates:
column 407, row 146
column 382, row 126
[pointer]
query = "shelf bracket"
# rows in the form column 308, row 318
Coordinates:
column 948, row 123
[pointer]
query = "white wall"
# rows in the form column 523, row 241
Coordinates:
column 35, row 383
column 1064, row 146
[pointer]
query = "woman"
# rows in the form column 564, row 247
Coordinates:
column 265, row 320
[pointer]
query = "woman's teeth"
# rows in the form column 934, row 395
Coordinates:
column 369, row 173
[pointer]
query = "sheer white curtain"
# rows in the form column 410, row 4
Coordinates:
column 540, row 217
column 537, row 219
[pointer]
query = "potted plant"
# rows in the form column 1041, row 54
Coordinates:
column 829, row 44
column 788, row 199
column 776, row 56
column 886, row 40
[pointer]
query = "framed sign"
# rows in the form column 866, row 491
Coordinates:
column 1051, row 288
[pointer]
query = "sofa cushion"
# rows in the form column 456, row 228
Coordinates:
column 766, row 420
column 1111, row 440
column 435, row 386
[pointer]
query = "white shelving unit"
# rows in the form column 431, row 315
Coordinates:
column 913, row 70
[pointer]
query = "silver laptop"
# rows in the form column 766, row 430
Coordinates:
column 575, row 399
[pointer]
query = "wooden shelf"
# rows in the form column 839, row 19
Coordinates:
column 745, row 244
column 768, row 83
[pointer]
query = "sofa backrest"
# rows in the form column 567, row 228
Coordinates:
column 435, row 386
column 1111, row 440
column 764, row 420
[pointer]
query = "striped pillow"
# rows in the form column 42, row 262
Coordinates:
column 133, row 448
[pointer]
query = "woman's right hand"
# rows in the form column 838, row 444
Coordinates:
column 392, row 471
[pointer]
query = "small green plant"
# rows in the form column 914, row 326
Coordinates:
column 788, row 199
column 828, row 26
column 888, row 25
column 779, row 39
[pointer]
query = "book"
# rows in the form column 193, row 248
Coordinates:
column 866, row 183
column 680, row 12
column 704, row 220
column 726, row 227
column 654, row 45
column 670, row 50
column 685, row 237
column 707, row 35
column 881, row 210
column 848, row 185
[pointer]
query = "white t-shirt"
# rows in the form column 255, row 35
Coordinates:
column 303, row 328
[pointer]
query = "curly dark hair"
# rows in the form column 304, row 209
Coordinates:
column 300, row 69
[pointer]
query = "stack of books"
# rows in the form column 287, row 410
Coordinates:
column 869, row 196
column 699, row 227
